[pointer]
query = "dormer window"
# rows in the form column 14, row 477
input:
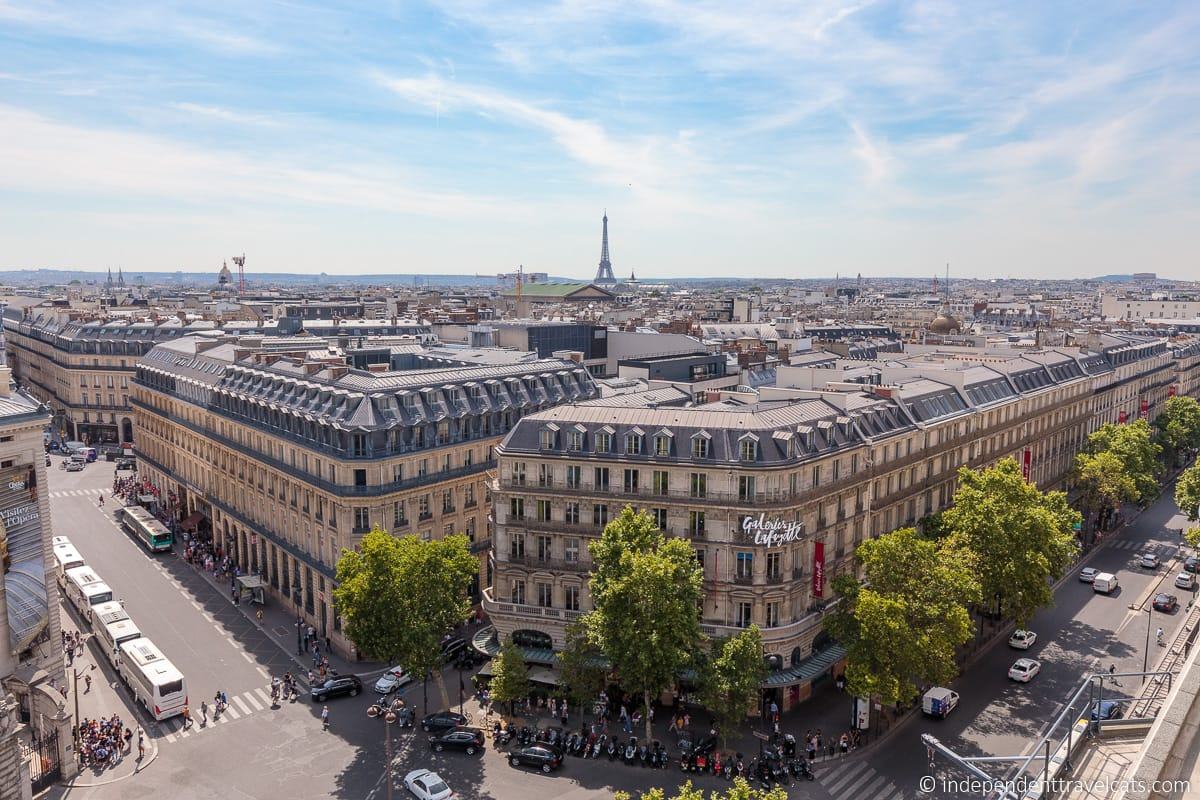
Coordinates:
column 577, row 440
column 662, row 445
column 633, row 444
column 700, row 446
column 748, row 449
column 603, row 442
column 546, row 439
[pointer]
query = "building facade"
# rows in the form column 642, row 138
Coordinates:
column 775, row 496
column 287, row 457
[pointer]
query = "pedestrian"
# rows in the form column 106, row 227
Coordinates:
column 325, row 718
column 203, row 712
column 87, row 679
column 187, row 717
column 258, row 615
column 141, row 743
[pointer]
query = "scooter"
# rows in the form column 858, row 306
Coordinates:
column 598, row 745
column 800, row 769
column 630, row 750
column 728, row 768
column 740, row 766
column 612, row 748
column 643, row 754
column 716, row 764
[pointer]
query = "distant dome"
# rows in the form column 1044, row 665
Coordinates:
column 944, row 322
column 224, row 276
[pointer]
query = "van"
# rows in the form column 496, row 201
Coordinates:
column 90, row 454
column 1105, row 583
column 939, row 702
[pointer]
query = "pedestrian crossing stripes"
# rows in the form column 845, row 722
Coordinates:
column 242, row 705
column 76, row 493
column 1132, row 544
column 857, row 780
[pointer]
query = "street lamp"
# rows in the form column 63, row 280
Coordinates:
column 75, row 690
column 1149, row 624
column 388, row 718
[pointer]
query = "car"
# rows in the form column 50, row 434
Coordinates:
column 542, row 756
column 452, row 647
column 1185, row 580
column 469, row 740
column 1088, row 574
column 126, row 464
column 1024, row 670
column 427, row 785
column 74, row 466
column 1192, row 564
column 1106, row 709
column 392, row 679
column 1165, row 602
column 1148, row 560
column 336, row 686
column 442, row 721
column 1022, row 640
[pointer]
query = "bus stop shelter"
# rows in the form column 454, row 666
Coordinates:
column 252, row 588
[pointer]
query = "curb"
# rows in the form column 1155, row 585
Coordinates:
column 138, row 768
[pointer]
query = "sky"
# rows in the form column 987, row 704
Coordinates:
column 764, row 139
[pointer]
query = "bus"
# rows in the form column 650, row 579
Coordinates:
column 149, row 531
column 113, row 628
column 65, row 557
column 85, row 590
column 154, row 681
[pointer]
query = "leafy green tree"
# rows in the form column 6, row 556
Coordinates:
column 1104, row 482
column 1178, row 425
column 740, row 790
column 399, row 595
column 646, row 604
column 902, row 625
column 1187, row 492
column 580, row 673
column 1133, row 444
column 510, row 676
column 1021, row 538
column 732, row 679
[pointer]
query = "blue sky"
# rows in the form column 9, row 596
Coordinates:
column 724, row 138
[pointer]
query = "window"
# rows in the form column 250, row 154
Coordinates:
column 518, row 473
column 447, row 501
column 469, row 495
column 571, row 550
column 816, row 476
column 544, row 548
column 744, row 565
column 574, row 479
column 518, row 593
column 600, row 479
column 423, row 506
column 545, row 595
column 571, row 598
column 696, row 523
column 543, row 510
column 631, row 481
column 633, row 444
column 746, row 488
column 360, row 477
column 362, row 518
column 749, row 450
column 599, row 514
column 543, row 475
column 699, row 484
column 576, row 440
column 662, row 445
column 660, row 518
column 571, row 514
column 603, row 443
column 546, row 439
column 516, row 546
column 516, row 508
column 661, row 481
column 744, row 614
column 773, row 614
column 399, row 518
column 700, row 447
column 774, row 565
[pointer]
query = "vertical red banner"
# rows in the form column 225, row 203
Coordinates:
column 1026, row 462
column 1171, row 390
column 1122, row 417
column 1144, row 409
column 818, row 569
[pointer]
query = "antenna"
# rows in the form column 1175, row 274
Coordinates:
column 520, row 280
column 241, row 265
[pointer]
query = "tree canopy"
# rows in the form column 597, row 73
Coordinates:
column 732, row 679
column 1020, row 538
column 1104, row 482
column 901, row 626
column 1178, row 425
column 1187, row 492
column 580, row 675
column 646, row 604
column 1134, row 446
column 510, row 676
column 740, row 790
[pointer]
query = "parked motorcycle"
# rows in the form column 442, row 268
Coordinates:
column 630, row 750
column 612, row 748
column 800, row 769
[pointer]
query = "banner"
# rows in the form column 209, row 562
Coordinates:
column 22, row 554
column 1027, row 462
column 1144, row 410
column 818, row 569
column 1122, row 417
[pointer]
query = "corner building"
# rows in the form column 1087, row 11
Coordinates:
column 776, row 495
column 287, row 455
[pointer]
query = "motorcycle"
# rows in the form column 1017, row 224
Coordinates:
column 598, row 745
column 716, row 764
column 728, row 768
column 612, row 748
column 643, row 754
column 630, row 750
column 740, row 766
column 800, row 769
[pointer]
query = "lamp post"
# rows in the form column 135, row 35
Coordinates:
column 388, row 718
column 1149, row 624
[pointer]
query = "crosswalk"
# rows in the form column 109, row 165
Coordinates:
column 241, row 705
column 1141, row 547
column 76, row 493
column 857, row 780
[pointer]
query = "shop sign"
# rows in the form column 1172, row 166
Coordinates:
column 772, row 532
column 818, row 569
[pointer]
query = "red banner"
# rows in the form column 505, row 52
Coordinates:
column 818, row 569
column 1144, row 411
column 1171, row 390
column 1026, row 463
column 1122, row 417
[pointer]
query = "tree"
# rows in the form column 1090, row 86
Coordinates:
column 1187, row 492
column 1021, row 539
column 646, row 604
column 1134, row 446
column 1104, row 481
column 902, row 625
column 510, row 676
column 400, row 595
column 1178, row 425
column 580, row 671
column 740, row 790
column 731, row 681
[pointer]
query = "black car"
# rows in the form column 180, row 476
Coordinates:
column 542, row 756
column 469, row 740
column 336, row 687
column 452, row 647
column 1165, row 602
column 1192, row 564
column 442, row 721
column 126, row 463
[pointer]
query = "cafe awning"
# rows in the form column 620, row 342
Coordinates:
column 191, row 521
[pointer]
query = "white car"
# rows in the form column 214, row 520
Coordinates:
column 1088, row 574
column 392, row 679
column 1148, row 560
column 1185, row 580
column 1022, row 640
column 1024, row 670
column 427, row 785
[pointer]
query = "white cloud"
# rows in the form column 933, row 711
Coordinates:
column 228, row 115
column 874, row 155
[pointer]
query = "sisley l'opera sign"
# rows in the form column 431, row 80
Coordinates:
column 772, row 532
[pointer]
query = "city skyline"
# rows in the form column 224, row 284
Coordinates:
column 468, row 137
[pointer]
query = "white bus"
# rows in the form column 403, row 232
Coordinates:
column 154, row 681
column 113, row 628
column 58, row 541
column 65, row 558
column 85, row 590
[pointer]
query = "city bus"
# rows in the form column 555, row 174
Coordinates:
column 153, row 535
column 152, row 679
column 113, row 628
column 85, row 589
column 65, row 557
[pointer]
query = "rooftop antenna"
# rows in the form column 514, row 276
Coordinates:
column 520, row 280
column 241, row 265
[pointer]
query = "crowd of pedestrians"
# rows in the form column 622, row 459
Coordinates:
column 102, row 742
column 72, row 645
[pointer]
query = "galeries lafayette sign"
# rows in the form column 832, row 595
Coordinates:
column 772, row 532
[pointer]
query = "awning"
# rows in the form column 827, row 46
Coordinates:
column 191, row 521
column 146, row 498
column 539, row 675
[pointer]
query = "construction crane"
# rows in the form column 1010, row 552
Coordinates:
column 241, row 265
column 518, row 279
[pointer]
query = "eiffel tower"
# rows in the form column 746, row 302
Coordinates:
column 604, row 273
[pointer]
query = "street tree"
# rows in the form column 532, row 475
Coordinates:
column 1021, row 539
column 1104, row 482
column 400, row 595
column 740, row 790
column 1178, row 426
column 901, row 625
column 580, row 667
column 510, row 676
column 732, row 679
column 1134, row 445
column 646, row 604
column 1187, row 492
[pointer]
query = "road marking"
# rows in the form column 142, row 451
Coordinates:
column 854, row 770
column 261, row 692
column 889, row 792
column 231, row 711
column 252, row 700
column 197, row 606
column 243, row 705
column 246, row 656
column 264, row 673
column 872, row 786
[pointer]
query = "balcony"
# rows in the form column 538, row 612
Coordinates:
column 425, row 516
column 495, row 607
column 481, row 545
column 743, row 580
column 775, row 578
column 773, row 635
column 549, row 564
